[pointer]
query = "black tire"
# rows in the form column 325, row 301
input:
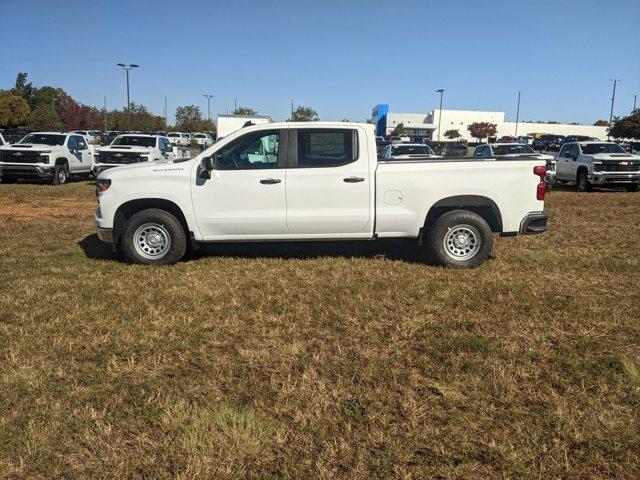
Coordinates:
column 633, row 188
column 153, row 237
column 475, row 233
column 583, row 183
column 60, row 174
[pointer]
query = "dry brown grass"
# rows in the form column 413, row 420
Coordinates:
column 319, row 360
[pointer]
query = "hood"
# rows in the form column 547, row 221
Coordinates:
column 617, row 157
column 147, row 169
column 122, row 148
column 31, row 147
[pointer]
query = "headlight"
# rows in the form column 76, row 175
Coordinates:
column 597, row 167
column 44, row 158
column 103, row 184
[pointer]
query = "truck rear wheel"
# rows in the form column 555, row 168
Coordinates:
column 460, row 238
column 154, row 237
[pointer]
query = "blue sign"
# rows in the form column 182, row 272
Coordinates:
column 379, row 115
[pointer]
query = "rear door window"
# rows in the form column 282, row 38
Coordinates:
column 320, row 148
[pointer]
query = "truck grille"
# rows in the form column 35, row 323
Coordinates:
column 119, row 157
column 20, row 156
column 616, row 167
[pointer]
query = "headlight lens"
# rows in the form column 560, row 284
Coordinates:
column 103, row 184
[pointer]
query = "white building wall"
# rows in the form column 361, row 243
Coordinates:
column 461, row 119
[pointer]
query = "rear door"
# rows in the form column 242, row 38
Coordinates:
column 245, row 196
column 328, row 183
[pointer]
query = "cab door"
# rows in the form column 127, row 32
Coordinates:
column 329, row 184
column 245, row 197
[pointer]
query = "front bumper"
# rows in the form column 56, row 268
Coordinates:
column 533, row 223
column 26, row 170
column 608, row 178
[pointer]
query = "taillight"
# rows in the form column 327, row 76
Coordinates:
column 541, row 189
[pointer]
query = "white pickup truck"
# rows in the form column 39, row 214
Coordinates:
column 318, row 181
column 598, row 163
column 51, row 155
column 127, row 149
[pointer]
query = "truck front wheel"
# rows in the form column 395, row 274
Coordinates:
column 60, row 174
column 154, row 237
column 584, row 185
column 460, row 238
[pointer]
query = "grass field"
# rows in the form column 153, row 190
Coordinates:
column 319, row 360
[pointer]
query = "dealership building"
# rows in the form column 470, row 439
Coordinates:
column 426, row 124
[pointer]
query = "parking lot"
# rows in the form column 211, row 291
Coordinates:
column 319, row 360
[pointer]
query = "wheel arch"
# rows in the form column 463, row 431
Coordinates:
column 130, row 208
column 61, row 161
column 481, row 205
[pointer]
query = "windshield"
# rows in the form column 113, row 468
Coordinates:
column 412, row 150
column 199, row 135
column 593, row 148
column 515, row 149
column 135, row 141
column 44, row 139
column 173, row 135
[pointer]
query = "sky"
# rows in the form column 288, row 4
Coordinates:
column 339, row 57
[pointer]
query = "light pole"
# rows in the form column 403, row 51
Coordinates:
column 613, row 97
column 208, row 97
column 128, row 67
column 635, row 98
column 517, row 114
column 441, row 92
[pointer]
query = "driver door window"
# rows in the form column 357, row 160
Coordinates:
column 258, row 150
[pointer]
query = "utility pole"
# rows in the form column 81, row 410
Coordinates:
column 292, row 108
column 127, row 68
column 105, row 114
column 208, row 97
column 518, row 113
column 235, row 104
column 441, row 92
column 166, row 114
column 613, row 97
column 635, row 98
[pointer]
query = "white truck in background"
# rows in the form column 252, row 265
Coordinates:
column 203, row 140
column 318, row 181
column 227, row 124
column 51, row 155
column 180, row 139
column 127, row 149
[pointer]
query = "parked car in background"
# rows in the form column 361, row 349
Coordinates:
column 407, row 151
column 317, row 181
column 579, row 138
column 546, row 143
column 88, row 135
column 455, row 149
column 129, row 148
column 203, row 140
column 179, row 138
column 515, row 150
column 597, row 163
column 400, row 139
column 52, row 155
column 525, row 139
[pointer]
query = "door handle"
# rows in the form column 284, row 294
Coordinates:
column 270, row 181
column 353, row 179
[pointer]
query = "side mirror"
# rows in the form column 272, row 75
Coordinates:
column 207, row 164
column 82, row 146
column 168, row 148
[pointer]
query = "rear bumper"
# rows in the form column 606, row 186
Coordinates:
column 602, row 178
column 533, row 223
column 26, row 170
